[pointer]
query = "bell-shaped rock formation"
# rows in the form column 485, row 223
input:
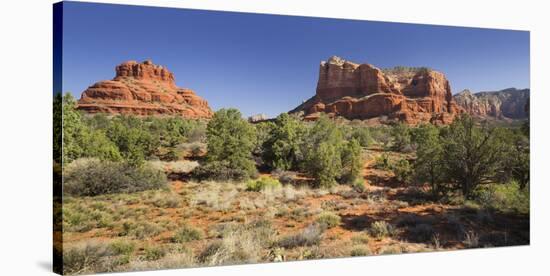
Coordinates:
column 143, row 89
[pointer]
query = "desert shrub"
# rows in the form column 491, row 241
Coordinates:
column 361, row 238
column 166, row 201
column 382, row 162
column 352, row 161
column 230, row 141
column 153, row 253
column 473, row 154
column 192, row 150
column 134, row 141
column 222, row 170
column 141, row 230
column 429, row 164
column 186, row 234
column 262, row 183
column 238, row 244
column 178, row 167
column 360, row 250
column 263, row 134
column 311, row 235
column 402, row 170
column 381, row 229
column 507, row 197
column 285, row 177
column 391, row 249
column 122, row 247
column 281, row 149
column 362, row 135
column 85, row 258
column 516, row 162
column 79, row 140
column 358, row 185
column 322, row 152
column 381, row 135
column 471, row 239
column 401, row 137
column 324, row 164
column 95, row 177
column 328, row 219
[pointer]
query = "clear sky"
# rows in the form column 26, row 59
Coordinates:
column 269, row 63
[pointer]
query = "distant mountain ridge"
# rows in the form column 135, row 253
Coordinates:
column 510, row 103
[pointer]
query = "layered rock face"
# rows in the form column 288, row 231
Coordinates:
column 143, row 89
column 509, row 103
column 362, row 91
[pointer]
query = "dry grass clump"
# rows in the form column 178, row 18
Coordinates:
column 381, row 229
column 163, row 200
column 360, row 250
column 311, row 235
column 218, row 196
column 178, row 167
column 140, row 230
column 238, row 244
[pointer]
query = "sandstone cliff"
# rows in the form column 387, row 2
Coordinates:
column 143, row 89
column 509, row 103
column 362, row 91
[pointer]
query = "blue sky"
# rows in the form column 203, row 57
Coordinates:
column 268, row 63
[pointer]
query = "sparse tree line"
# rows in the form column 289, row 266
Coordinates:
column 459, row 157
column 462, row 156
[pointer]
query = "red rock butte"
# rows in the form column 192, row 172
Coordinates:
column 362, row 91
column 143, row 89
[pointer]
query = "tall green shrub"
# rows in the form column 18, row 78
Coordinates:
column 230, row 141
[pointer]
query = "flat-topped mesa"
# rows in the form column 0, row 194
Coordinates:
column 143, row 89
column 363, row 91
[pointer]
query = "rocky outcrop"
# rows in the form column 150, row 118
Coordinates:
column 509, row 103
column 257, row 118
column 362, row 91
column 143, row 89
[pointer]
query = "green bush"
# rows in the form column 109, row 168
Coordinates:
column 121, row 247
column 328, row 219
column 230, row 141
column 264, row 182
column 187, row 234
column 222, row 170
column 322, row 151
column 352, row 161
column 93, row 177
column 382, row 162
column 359, row 185
column 473, row 154
column 402, row 170
column 362, row 135
column 401, row 137
column 507, row 197
column 281, row 149
column 428, row 166
column 153, row 253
